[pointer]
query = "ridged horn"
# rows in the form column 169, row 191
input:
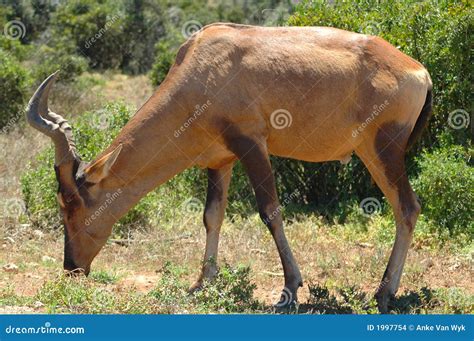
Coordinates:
column 51, row 124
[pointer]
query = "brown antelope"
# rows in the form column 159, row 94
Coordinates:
column 328, row 81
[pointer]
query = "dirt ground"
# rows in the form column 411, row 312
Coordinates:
column 323, row 259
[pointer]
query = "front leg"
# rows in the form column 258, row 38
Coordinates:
column 218, row 181
column 254, row 157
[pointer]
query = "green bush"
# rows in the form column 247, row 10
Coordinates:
column 14, row 48
column 111, row 34
column 231, row 291
column 95, row 28
column 184, row 17
column 34, row 16
column 59, row 57
column 445, row 186
column 14, row 82
column 163, row 62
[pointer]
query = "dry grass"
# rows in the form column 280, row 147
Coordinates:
column 328, row 259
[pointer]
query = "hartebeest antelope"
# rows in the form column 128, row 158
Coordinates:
column 327, row 79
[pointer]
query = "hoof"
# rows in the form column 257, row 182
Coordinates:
column 288, row 301
column 197, row 286
column 383, row 300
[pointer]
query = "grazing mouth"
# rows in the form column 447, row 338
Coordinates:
column 71, row 269
column 72, row 272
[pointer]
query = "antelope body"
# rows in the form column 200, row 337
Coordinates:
column 306, row 93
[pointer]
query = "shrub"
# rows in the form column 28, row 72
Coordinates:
column 14, row 81
column 231, row 291
column 163, row 62
column 446, row 188
column 59, row 57
column 34, row 16
column 184, row 17
column 14, row 48
column 95, row 28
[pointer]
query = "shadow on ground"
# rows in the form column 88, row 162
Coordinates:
column 352, row 300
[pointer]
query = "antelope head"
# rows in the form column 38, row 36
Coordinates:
column 81, row 185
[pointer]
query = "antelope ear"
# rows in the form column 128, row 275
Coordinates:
column 97, row 171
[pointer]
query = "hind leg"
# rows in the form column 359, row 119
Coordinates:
column 384, row 159
column 218, row 181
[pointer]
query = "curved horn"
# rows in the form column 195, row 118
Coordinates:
column 53, row 125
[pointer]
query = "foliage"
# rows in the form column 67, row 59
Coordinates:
column 103, row 277
column 446, row 188
column 79, row 295
column 231, row 291
column 164, row 60
column 185, row 17
column 14, row 81
column 87, row 296
column 351, row 300
column 13, row 48
column 34, row 16
column 60, row 57
column 95, row 29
